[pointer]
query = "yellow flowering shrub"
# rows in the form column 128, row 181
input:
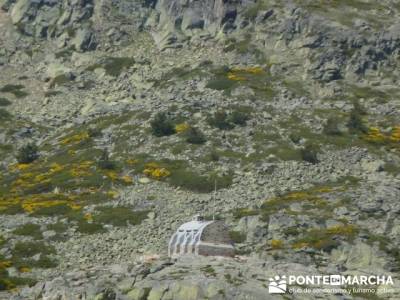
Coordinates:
column 236, row 77
column 127, row 179
column 82, row 169
column 241, row 74
column 75, row 139
column 342, row 230
column 24, row 269
column 19, row 167
column 395, row 135
column 4, row 264
column 276, row 244
column 132, row 161
column 153, row 170
column 88, row 217
column 113, row 194
column 55, row 167
column 112, row 175
column 375, row 135
column 182, row 127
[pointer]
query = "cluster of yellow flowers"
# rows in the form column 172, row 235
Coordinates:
column 276, row 244
column 28, row 180
column 153, row 170
column 32, row 203
column 81, row 169
column 342, row 230
column 239, row 74
column 75, row 139
column 375, row 135
column 395, row 136
column 19, row 167
column 182, row 127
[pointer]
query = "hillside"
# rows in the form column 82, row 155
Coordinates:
column 139, row 108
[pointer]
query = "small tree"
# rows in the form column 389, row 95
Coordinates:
column 239, row 118
column 195, row 136
column 105, row 163
column 27, row 154
column 309, row 153
column 161, row 125
column 332, row 127
column 221, row 121
column 356, row 123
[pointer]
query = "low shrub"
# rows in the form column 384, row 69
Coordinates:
column 237, row 237
column 89, row 228
column 161, row 125
column 239, row 118
column 356, row 123
column 15, row 89
column 29, row 249
column 4, row 115
column 29, row 229
column 221, row 121
column 309, row 153
column 192, row 181
column 27, row 154
column 4, row 102
column 119, row 216
column 195, row 136
column 332, row 127
column 105, row 163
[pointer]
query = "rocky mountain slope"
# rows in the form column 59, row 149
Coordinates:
column 138, row 108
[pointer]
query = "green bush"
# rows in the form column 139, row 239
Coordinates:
column 29, row 249
column 237, row 237
column 332, row 127
column 105, row 163
column 55, row 210
column 29, row 229
column 356, row 123
column 161, row 125
column 4, row 102
column 14, row 89
column 239, row 118
column 309, row 153
column 94, row 132
column 90, row 228
column 221, row 121
column 190, row 180
column 220, row 84
column 195, row 136
column 4, row 115
column 27, row 154
column 119, row 216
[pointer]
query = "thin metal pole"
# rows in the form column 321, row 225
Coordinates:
column 215, row 195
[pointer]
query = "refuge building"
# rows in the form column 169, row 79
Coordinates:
column 201, row 237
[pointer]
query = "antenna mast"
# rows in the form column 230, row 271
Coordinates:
column 215, row 195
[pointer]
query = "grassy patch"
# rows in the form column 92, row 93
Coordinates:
column 192, row 181
column 209, row 270
column 29, row 229
column 244, row 212
column 15, row 89
column 28, row 249
column 89, row 228
column 113, row 65
column 4, row 115
column 4, row 101
column 119, row 216
column 237, row 236
column 324, row 238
